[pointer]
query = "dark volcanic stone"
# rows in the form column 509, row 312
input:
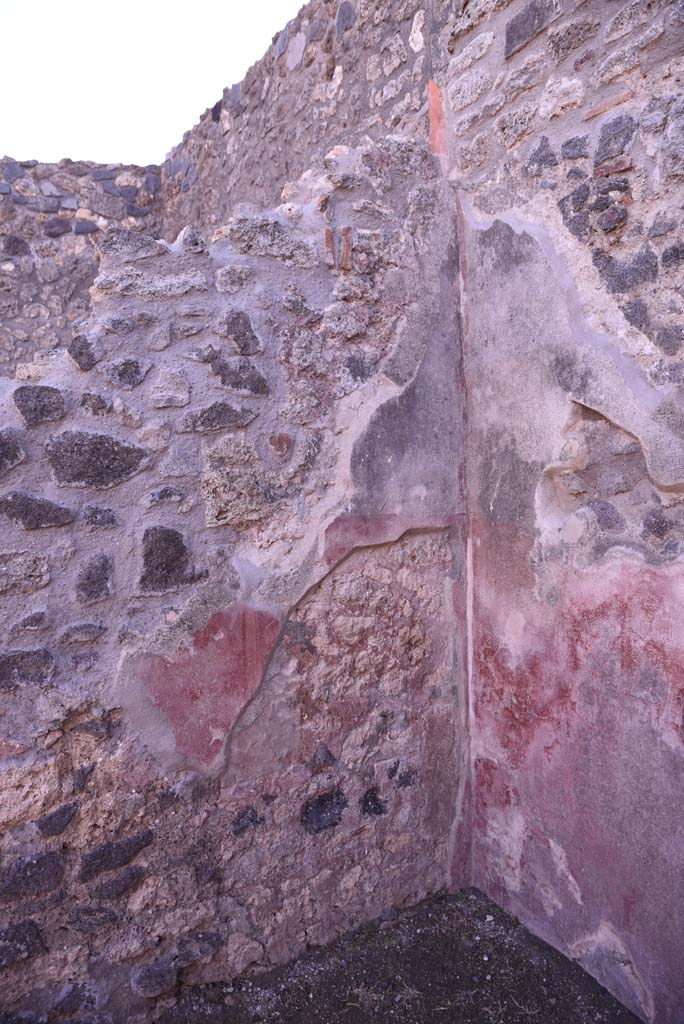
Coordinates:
column 32, row 876
column 94, row 581
column 673, row 255
column 402, row 776
column 346, row 16
column 33, row 666
column 85, row 227
column 612, row 218
column 34, row 513
column 39, row 404
column 12, row 171
column 662, row 225
column 164, row 494
column 57, row 226
column 607, row 516
column 245, row 820
column 358, row 367
column 11, row 453
column 99, row 518
column 574, row 201
column 96, row 405
column 323, row 812
column 137, row 211
column 527, row 24
column 92, row 460
column 165, row 559
column 656, row 523
column 236, row 326
column 91, row 919
column 53, row 824
column 611, row 185
column 623, row 275
column 637, row 314
column 154, row 979
column 541, row 156
column 81, row 776
column 669, row 340
column 16, row 246
column 600, row 203
column 615, row 136
column 37, row 620
column 82, row 633
column 579, row 225
column 323, row 758
column 218, row 416
column 121, row 884
column 76, row 997
column 575, row 148
column 20, row 942
column 371, row 804
column 239, row 375
column 126, row 374
column 83, row 353
column 110, row 856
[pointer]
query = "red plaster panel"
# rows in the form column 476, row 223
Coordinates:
column 202, row 690
column 579, row 761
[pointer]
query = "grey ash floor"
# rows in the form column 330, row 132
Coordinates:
column 449, row 960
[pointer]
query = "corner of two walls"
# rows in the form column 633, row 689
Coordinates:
column 467, row 504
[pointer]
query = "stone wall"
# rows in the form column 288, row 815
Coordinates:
column 336, row 73
column 232, row 671
column 51, row 216
column 358, row 531
column 561, row 127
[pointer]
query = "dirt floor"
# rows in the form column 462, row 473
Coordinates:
column 450, row 960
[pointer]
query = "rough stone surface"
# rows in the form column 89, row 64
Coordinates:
column 165, row 559
column 34, row 513
column 11, row 452
column 38, row 404
column 52, row 217
column 22, row 572
column 94, row 581
column 286, row 655
column 20, row 941
column 92, row 460
column 112, row 855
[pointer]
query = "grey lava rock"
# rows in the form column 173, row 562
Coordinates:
column 39, row 404
column 165, row 560
column 34, row 513
column 324, row 811
column 11, row 452
column 93, row 460
column 20, row 667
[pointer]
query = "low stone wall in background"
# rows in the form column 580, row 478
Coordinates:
column 51, row 217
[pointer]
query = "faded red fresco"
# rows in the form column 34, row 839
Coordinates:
column 202, row 690
column 579, row 760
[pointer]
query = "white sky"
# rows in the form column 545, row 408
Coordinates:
column 121, row 81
